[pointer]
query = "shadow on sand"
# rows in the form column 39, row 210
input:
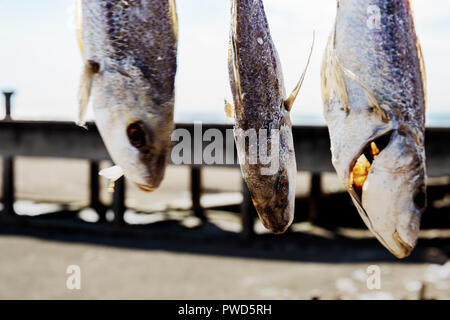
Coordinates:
column 209, row 239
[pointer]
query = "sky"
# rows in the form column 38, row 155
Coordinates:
column 40, row 60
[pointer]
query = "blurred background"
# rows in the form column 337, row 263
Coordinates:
column 197, row 236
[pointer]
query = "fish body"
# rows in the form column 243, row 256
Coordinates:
column 129, row 51
column 261, row 107
column 373, row 88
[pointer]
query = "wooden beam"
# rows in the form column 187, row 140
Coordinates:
column 66, row 140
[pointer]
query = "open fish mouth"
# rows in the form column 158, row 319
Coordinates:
column 374, row 105
column 361, row 164
column 359, row 173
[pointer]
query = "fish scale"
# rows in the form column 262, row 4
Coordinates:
column 129, row 51
column 373, row 87
column 258, row 65
column 260, row 103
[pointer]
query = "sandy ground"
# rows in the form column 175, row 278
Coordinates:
column 178, row 259
column 36, row 269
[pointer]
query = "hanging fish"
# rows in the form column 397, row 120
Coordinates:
column 129, row 51
column 373, row 88
column 263, row 129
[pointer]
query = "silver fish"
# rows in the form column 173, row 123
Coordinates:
column 373, row 87
column 261, row 107
column 129, row 51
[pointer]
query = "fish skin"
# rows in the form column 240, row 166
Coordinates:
column 134, row 45
column 373, row 84
column 259, row 96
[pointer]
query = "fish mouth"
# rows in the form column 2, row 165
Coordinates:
column 359, row 171
column 146, row 188
column 275, row 223
column 397, row 246
column 362, row 162
column 275, row 229
column 404, row 248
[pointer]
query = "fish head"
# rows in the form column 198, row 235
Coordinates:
column 272, row 188
column 135, row 129
column 275, row 207
column 392, row 198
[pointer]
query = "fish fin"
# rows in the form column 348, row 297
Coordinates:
column 422, row 70
column 113, row 174
column 174, row 17
column 229, row 110
column 372, row 100
column 289, row 102
column 332, row 78
column 333, row 81
column 79, row 24
column 233, row 53
column 234, row 60
column 87, row 76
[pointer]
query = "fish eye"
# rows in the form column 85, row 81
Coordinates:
column 136, row 135
column 420, row 200
column 94, row 66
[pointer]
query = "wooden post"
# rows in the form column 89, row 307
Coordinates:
column 8, row 185
column 8, row 166
column 196, row 192
column 315, row 197
column 118, row 204
column 94, row 190
column 247, row 213
column 8, row 95
column 448, row 186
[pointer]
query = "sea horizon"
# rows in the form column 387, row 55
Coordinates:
column 433, row 120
